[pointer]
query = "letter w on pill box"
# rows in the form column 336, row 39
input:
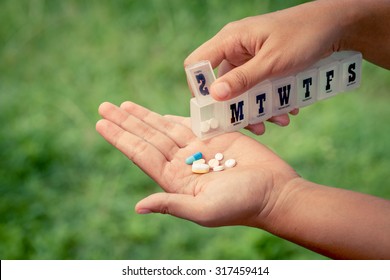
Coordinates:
column 330, row 76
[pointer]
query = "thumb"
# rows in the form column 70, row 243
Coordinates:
column 238, row 80
column 179, row 205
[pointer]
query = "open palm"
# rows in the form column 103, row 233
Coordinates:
column 159, row 145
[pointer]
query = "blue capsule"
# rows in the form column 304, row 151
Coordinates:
column 194, row 157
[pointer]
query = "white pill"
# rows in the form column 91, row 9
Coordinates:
column 230, row 163
column 202, row 160
column 213, row 123
column 213, row 162
column 204, row 127
column 218, row 156
column 200, row 168
column 218, row 168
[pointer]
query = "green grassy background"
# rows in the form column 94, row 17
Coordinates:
column 67, row 194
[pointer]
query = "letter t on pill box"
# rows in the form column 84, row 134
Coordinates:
column 200, row 76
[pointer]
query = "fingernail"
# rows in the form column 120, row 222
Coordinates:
column 221, row 90
column 144, row 211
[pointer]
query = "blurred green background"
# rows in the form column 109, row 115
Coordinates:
column 67, row 194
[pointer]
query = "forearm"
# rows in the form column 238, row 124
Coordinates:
column 334, row 222
column 365, row 28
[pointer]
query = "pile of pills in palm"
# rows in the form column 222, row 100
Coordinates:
column 200, row 166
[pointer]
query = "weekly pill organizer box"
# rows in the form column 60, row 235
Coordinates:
column 330, row 76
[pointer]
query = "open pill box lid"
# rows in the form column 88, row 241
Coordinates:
column 200, row 77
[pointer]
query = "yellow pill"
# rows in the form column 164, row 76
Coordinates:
column 200, row 168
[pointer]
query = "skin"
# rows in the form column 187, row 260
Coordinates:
column 256, row 48
column 144, row 136
column 262, row 191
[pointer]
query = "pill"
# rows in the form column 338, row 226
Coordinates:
column 202, row 160
column 218, row 156
column 194, row 157
column 218, row 168
column 204, row 126
column 200, row 168
column 230, row 163
column 213, row 162
column 213, row 123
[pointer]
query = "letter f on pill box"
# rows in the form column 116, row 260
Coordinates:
column 201, row 76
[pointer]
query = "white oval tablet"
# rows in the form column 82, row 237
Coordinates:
column 200, row 168
column 219, row 168
column 230, row 163
column 202, row 160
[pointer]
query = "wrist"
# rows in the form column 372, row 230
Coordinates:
column 280, row 202
column 291, row 196
column 353, row 15
column 365, row 29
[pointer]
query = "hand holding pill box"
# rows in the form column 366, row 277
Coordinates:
column 337, row 73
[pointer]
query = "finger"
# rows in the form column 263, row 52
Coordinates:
column 233, row 80
column 224, row 45
column 180, row 120
column 212, row 50
column 238, row 80
column 257, row 129
column 181, row 135
column 139, row 128
column 295, row 112
column 282, row 120
column 142, row 153
column 224, row 67
column 179, row 205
